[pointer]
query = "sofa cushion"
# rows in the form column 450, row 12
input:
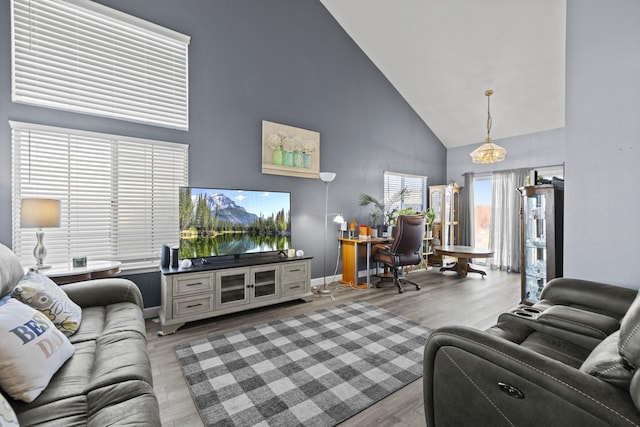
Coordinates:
column 556, row 348
column 629, row 342
column 10, row 270
column 31, row 350
column 606, row 363
column 8, row 418
column 579, row 321
column 38, row 291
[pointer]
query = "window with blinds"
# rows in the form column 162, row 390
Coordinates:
column 119, row 195
column 85, row 57
column 415, row 197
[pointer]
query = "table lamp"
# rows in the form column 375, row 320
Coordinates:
column 39, row 213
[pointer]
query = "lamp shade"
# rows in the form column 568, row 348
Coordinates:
column 327, row 176
column 39, row 213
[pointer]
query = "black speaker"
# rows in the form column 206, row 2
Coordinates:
column 165, row 256
column 174, row 257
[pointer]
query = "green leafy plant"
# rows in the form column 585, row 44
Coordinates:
column 429, row 216
column 377, row 207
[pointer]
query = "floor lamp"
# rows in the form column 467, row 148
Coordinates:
column 325, row 177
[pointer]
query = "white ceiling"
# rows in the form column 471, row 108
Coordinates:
column 441, row 55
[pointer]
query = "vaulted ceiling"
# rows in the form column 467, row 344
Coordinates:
column 442, row 55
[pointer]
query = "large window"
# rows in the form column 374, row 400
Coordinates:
column 85, row 57
column 482, row 188
column 119, row 195
column 415, row 197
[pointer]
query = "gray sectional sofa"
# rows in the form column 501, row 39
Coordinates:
column 108, row 379
column 569, row 360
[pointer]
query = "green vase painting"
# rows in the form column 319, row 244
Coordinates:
column 288, row 158
column 297, row 158
column 277, row 156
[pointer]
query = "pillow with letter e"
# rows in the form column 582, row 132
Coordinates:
column 38, row 291
column 31, row 350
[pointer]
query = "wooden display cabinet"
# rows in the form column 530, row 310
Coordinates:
column 445, row 202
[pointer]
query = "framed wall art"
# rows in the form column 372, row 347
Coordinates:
column 290, row 151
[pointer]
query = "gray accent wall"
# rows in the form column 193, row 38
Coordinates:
column 286, row 61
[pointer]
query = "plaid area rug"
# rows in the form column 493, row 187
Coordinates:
column 313, row 370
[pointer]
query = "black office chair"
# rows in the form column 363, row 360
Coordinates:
column 405, row 249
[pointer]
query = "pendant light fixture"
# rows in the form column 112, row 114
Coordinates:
column 488, row 152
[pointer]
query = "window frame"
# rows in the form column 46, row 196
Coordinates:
column 85, row 57
column 119, row 194
column 389, row 190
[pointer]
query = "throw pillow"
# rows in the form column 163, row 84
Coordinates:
column 606, row 363
column 8, row 418
column 31, row 350
column 629, row 343
column 10, row 270
column 41, row 293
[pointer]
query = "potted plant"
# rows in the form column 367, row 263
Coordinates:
column 377, row 208
column 429, row 216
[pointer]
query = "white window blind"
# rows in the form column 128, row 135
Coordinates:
column 119, row 195
column 415, row 197
column 85, row 57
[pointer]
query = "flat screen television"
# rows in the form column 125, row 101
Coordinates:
column 220, row 222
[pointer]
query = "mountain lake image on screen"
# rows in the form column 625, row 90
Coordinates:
column 220, row 222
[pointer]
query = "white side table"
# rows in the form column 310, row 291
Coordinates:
column 67, row 273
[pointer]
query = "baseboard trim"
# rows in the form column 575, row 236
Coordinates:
column 151, row 312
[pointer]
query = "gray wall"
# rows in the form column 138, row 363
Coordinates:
column 286, row 61
column 602, row 236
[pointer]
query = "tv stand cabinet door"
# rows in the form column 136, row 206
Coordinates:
column 232, row 288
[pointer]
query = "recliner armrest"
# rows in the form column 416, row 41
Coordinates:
column 99, row 292
column 463, row 365
column 603, row 298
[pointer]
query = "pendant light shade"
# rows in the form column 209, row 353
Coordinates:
column 488, row 152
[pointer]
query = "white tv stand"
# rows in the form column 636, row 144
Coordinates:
column 226, row 286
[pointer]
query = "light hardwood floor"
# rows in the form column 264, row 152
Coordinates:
column 444, row 299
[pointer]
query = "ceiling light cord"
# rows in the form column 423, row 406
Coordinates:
column 489, row 120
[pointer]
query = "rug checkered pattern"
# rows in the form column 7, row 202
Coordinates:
column 313, row 370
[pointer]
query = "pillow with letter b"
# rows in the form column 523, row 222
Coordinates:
column 31, row 350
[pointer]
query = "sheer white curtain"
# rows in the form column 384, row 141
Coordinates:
column 505, row 219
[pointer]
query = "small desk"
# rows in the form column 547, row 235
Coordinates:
column 67, row 273
column 463, row 253
column 350, row 259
